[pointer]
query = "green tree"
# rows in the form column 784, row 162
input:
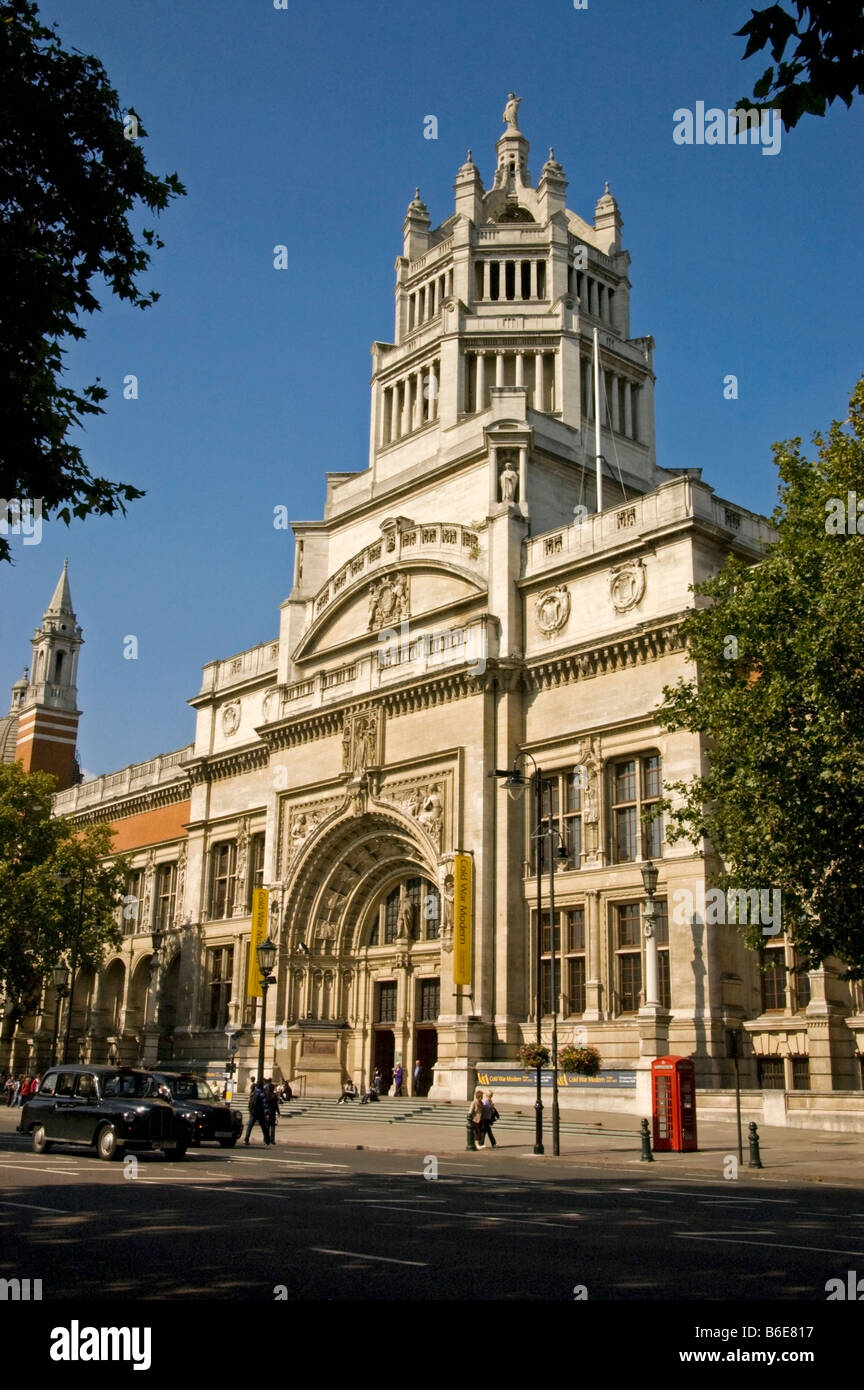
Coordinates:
column 70, row 175
column 826, row 62
column 51, row 873
column 778, row 694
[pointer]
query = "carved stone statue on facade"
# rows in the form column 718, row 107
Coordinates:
column 405, row 919
column 360, row 741
column 180, row 895
column 431, row 814
column 374, row 590
column 388, row 601
column 511, row 112
column 508, row 480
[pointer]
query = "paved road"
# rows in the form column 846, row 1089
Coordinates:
column 342, row 1224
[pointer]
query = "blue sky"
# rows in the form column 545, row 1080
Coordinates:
column 304, row 127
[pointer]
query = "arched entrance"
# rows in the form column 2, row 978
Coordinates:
column 363, row 906
column 107, row 1019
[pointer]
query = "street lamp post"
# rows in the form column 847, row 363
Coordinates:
column 551, row 833
column 266, row 959
column 514, row 779
column 67, row 1031
column 60, row 976
column 650, row 875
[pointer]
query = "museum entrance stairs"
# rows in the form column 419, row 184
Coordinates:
column 393, row 1110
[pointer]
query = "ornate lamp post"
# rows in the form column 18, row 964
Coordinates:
column 552, row 833
column 266, row 954
column 60, row 978
column 62, row 879
column 515, row 780
column 650, row 875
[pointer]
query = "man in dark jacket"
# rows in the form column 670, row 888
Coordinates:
column 259, row 1113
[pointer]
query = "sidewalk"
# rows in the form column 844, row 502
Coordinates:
column 788, row 1156
column 800, row 1156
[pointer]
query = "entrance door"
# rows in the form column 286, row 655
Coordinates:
column 426, row 1053
column 385, row 1052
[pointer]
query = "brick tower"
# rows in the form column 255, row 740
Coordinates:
column 48, row 714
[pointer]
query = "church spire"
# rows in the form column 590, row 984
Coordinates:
column 61, row 602
column 47, row 712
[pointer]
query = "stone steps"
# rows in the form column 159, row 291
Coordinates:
column 396, row 1111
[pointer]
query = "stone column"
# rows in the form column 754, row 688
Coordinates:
column 592, row 964
column 539, row 383
column 406, row 406
column 394, row 412
column 535, row 294
column 499, row 369
column 523, row 474
column 419, row 398
column 480, row 384
column 616, row 404
column 628, row 409
column 520, row 369
column 485, row 265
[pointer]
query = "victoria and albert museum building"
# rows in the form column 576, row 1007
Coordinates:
column 468, row 604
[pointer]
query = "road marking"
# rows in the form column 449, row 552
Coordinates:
column 379, row 1259
column 28, row 1206
column 35, row 1168
column 768, row 1245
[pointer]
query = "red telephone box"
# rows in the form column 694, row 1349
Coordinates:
column 673, row 1095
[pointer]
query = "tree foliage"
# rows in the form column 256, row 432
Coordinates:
column 778, row 694
column 825, row 62
column 69, row 180
column 44, row 861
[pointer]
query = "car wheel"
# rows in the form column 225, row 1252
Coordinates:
column 106, row 1144
column 228, row 1143
column 41, row 1145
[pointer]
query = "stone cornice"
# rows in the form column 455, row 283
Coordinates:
column 151, row 799
column 217, row 766
column 632, row 648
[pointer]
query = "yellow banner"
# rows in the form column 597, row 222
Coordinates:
column 260, row 907
column 463, row 918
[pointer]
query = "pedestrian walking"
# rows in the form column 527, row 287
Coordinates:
column 258, row 1113
column 271, row 1095
column 418, row 1078
column 397, row 1080
column 475, row 1114
column 490, row 1115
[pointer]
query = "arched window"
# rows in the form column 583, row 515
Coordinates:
column 421, row 897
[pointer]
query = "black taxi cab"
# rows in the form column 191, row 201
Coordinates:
column 208, row 1116
column 111, row 1109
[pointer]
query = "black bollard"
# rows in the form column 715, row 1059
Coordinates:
column 470, row 1146
column 754, row 1160
column 647, row 1156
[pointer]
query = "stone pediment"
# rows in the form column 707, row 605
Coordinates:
column 411, row 589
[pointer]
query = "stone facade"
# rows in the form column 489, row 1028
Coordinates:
column 462, row 607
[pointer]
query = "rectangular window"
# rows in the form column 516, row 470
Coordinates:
column 256, row 865
column 800, row 1073
column 772, row 961
column 132, row 910
column 575, row 972
column 387, row 1002
column 637, row 824
column 430, row 1000
column 562, row 805
column 223, row 868
column 628, row 957
column 770, row 1074
column 166, row 889
column 220, row 972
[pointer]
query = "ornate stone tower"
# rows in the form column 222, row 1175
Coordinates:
column 47, row 712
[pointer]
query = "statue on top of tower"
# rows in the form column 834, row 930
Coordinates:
column 511, row 112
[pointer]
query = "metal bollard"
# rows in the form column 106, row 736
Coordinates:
column 754, row 1161
column 647, row 1156
column 470, row 1146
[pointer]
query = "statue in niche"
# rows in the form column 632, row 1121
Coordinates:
column 508, row 481
column 360, row 742
column 405, row 919
column 431, row 812
column 374, row 590
column 511, row 112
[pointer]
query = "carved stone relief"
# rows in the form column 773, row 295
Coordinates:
column 389, row 600
column 231, row 718
column 362, row 740
column 553, row 609
column 627, row 585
